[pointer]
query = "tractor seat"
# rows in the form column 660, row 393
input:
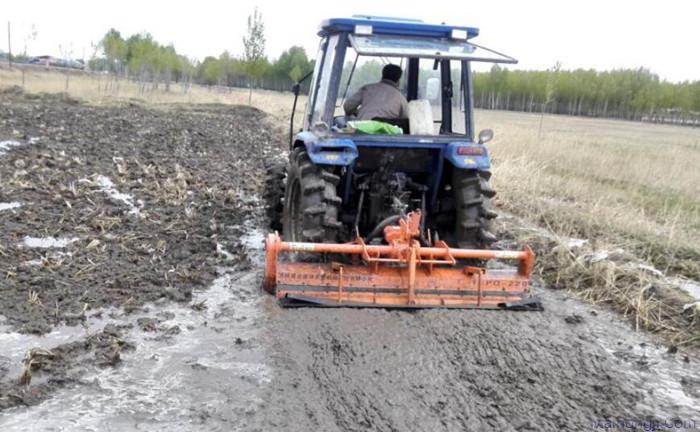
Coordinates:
column 420, row 115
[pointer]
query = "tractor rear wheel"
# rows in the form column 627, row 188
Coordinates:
column 273, row 194
column 311, row 204
column 474, row 214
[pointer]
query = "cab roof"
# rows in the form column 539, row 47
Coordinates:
column 392, row 26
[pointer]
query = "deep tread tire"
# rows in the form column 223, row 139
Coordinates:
column 273, row 194
column 474, row 214
column 312, row 205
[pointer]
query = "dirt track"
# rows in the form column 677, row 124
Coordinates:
column 160, row 325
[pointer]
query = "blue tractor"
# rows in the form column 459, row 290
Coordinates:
column 341, row 184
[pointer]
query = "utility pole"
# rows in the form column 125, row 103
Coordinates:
column 9, row 46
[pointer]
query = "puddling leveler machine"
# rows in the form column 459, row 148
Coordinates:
column 400, row 273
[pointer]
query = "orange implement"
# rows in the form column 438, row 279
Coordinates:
column 399, row 274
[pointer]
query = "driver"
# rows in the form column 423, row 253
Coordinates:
column 379, row 100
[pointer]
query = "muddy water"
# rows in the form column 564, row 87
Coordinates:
column 243, row 363
column 15, row 345
column 206, row 377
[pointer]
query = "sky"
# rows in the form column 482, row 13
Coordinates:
column 659, row 35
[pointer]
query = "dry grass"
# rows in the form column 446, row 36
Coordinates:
column 633, row 184
column 104, row 89
column 604, row 274
column 631, row 189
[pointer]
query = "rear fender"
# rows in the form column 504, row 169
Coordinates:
column 328, row 151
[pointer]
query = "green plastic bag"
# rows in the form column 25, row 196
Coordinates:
column 374, row 127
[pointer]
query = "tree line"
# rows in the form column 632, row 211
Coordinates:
column 632, row 94
column 142, row 58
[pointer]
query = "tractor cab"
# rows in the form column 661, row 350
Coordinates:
column 436, row 80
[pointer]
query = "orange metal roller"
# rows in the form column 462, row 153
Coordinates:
column 399, row 274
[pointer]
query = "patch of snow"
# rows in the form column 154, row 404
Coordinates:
column 106, row 186
column 254, row 239
column 602, row 255
column 8, row 144
column 597, row 256
column 693, row 306
column 226, row 254
column 247, row 198
column 689, row 286
column 572, row 242
column 647, row 268
column 51, row 255
column 48, row 242
column 10, row 205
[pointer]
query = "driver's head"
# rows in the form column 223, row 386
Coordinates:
column 391, row 72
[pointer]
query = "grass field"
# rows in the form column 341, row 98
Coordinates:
column 630, row 190
column 621, row 186
column 633, row 184
column 100, row 89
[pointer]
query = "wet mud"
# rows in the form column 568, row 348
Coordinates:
column 118, row 205
column 153, row 318
column 475, row 370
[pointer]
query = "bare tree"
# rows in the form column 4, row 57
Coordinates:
column 30, row 36
column 254, row 46
column 66, row 55
column 9, row 46
column 550, row 92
